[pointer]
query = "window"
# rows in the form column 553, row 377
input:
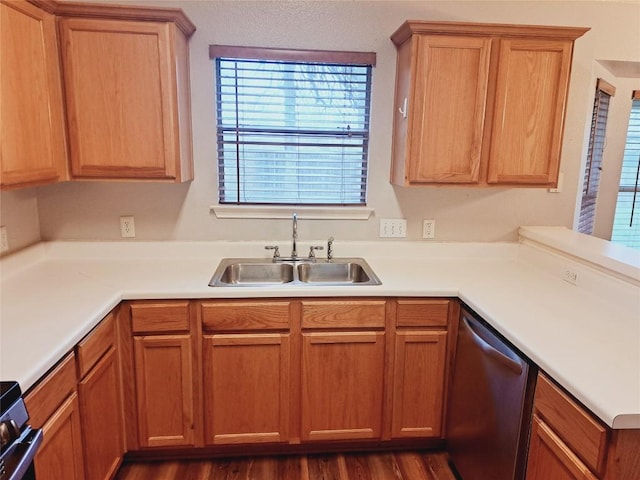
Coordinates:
column 604, row 92
column 626, row 223
column 292, row 125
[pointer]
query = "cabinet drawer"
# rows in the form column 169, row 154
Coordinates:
column 585, row 435
column 160, row 317
column 94, row 345
column 343, row 313
column 423, row 313
column 243, row 315
column 51, row 391
column 550, row 458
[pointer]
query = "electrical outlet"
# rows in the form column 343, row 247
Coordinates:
column 4, row 241
column 428, row 229
column 393, row 227
column 127, row 227
column 570, row 275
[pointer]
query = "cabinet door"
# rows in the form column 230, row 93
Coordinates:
column 418, row 383
column 101, row 416
column 33, row 148
column 342, row 382
column 447, row 109
column 531, row 93
column 550, row 458
column 246, row 388
column 164, row 381
column 121, row 99
column 60, row 454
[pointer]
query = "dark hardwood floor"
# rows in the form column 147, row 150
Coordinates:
column 348, row 466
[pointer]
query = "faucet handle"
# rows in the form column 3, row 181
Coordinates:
column 276, row 251
column 312, row 252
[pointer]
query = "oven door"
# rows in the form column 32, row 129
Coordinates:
column 17, row 459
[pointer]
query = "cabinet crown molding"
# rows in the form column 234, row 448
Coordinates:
column 412, row 27
column 119, row 12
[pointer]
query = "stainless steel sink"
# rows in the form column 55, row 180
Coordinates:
column 335, row 272
column 256, row 272
column 246, row 272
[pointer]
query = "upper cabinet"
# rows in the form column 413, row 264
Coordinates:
column 33, row 148
column 480, row 104
column 124, row 71
column 126, row 74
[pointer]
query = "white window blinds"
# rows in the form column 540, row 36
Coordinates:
column 604, row 92
column 626, row 224
column 292, row 131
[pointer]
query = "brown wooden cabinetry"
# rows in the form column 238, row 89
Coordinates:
column 100, row 405
column 570, row 443
column 53, row 406
column 33, row 146
column 163, row 352
column 550, row 457
column 126, row 78
column 420, row 367
column 528, row 118
column 567, row 443
column 418, row 383
column 246, row 355
column 480, row 104
column 342, row 369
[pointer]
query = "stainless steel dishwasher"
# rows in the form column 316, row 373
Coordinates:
column 490, row 403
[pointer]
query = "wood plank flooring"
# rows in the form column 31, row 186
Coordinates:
column 351, row 466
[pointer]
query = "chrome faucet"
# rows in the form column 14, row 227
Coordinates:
column 294, row 251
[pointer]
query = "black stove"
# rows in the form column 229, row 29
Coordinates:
column 18, row 441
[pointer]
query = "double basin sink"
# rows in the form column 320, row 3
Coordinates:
column 255, row 272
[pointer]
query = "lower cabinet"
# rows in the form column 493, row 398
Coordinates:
column 269, row 371
column 53, row 406
column 101, row 417
column 100, row 403
column 163, row 373
column 567, row 442
column 246, row 388
column 418, row 383
column 164, row 379
column 60, row 454
column 81, row 419
column 286, row 371
column 343, row 368
column 420, row 365
column 342, row 385
column 551, row 458
column 246, row 351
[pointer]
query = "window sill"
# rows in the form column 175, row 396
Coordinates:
column 315, row 213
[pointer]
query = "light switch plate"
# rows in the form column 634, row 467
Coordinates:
column 393, row 228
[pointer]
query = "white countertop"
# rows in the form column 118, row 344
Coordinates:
column 586, row 336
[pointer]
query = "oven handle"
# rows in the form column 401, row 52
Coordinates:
column 29, row 444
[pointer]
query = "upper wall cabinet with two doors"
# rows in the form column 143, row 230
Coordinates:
column 125, row 77
column 480, row 104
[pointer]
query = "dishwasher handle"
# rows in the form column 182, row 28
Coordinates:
column 491, row 351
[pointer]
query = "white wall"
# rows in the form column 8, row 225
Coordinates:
column 90, row 210
column 19, row 213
